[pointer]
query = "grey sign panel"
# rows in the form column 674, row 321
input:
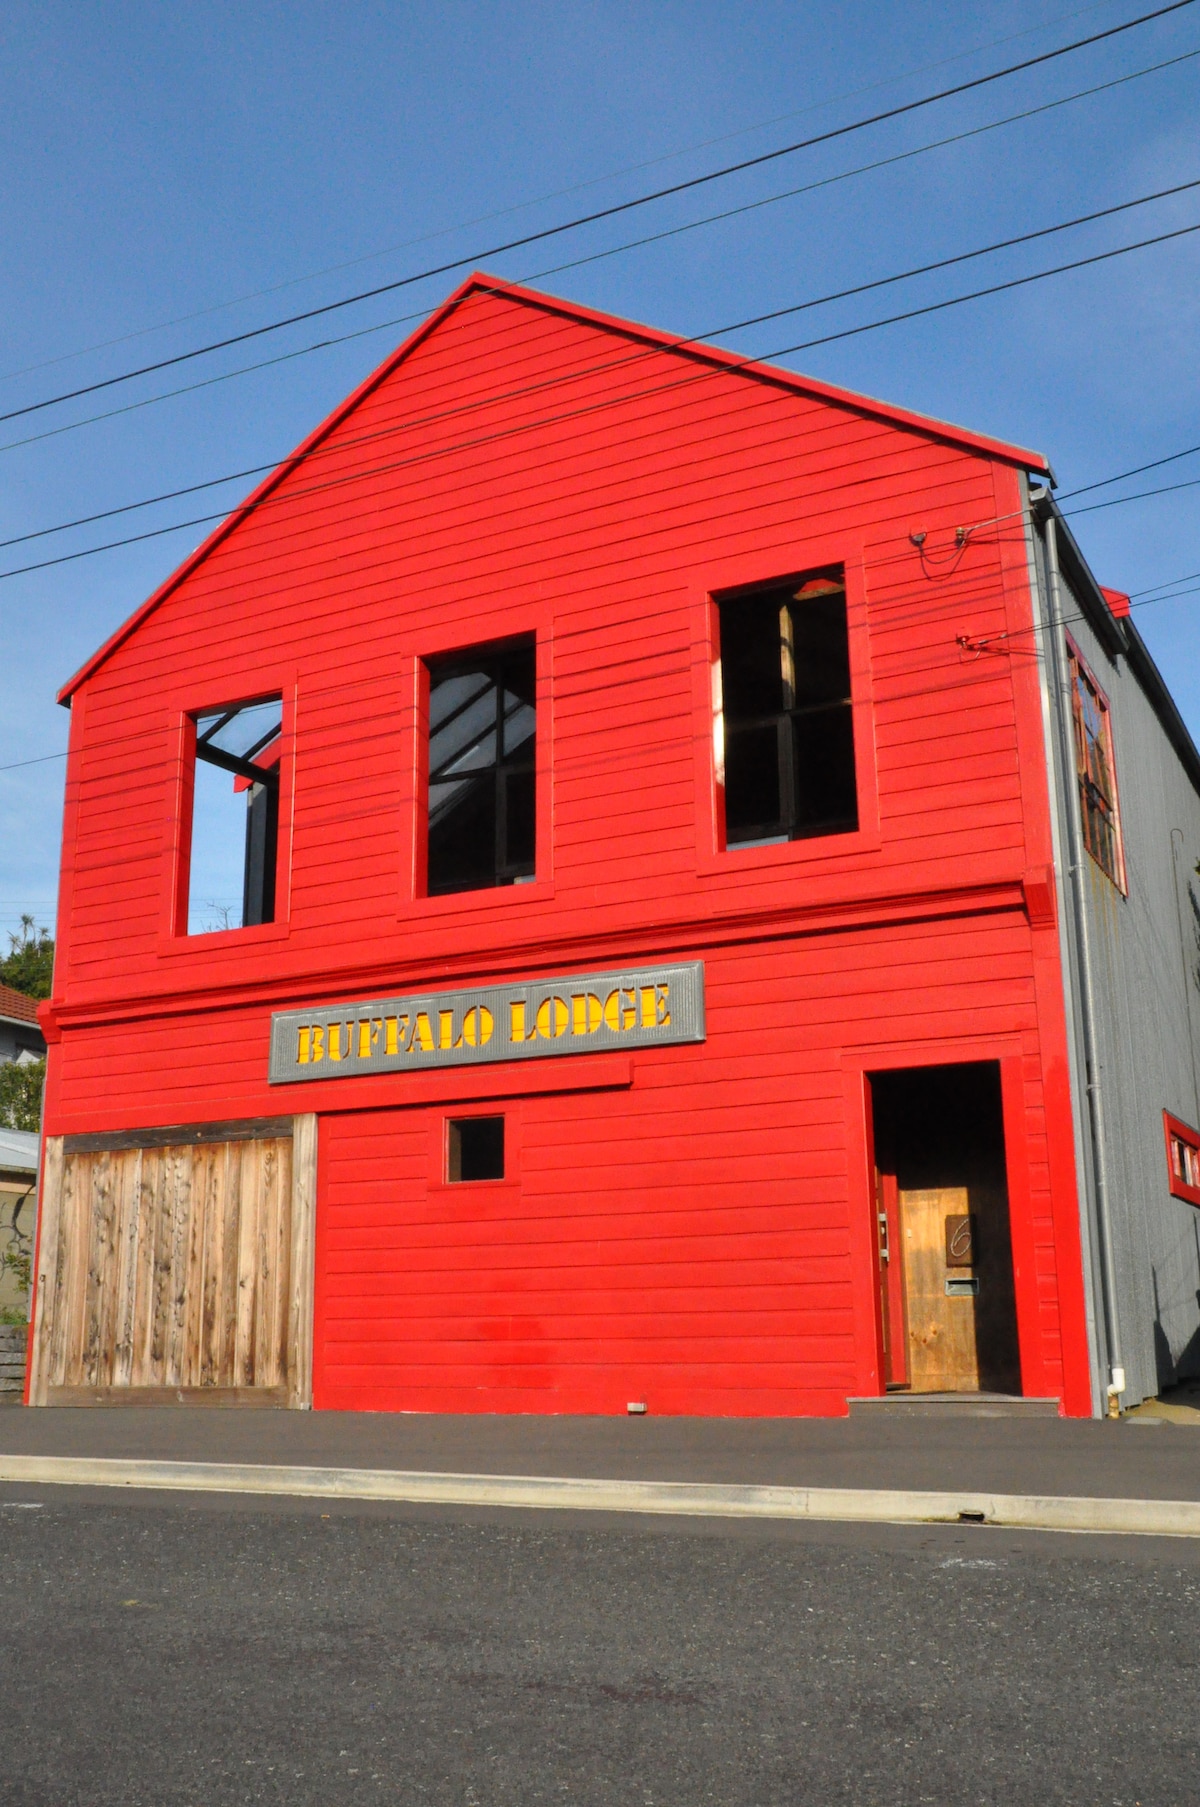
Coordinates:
column 582, row 1013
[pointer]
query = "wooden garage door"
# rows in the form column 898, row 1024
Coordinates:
column 176, row 1265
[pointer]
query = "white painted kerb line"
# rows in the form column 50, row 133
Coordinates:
column 694, row 1499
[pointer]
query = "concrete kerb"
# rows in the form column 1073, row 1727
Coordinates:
column 864, row 1505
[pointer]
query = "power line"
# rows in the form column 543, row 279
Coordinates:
column 610, row 251
column 557, row 194
column 1155, row 464
column 997, row 288
column 605, row 213
column 1139, row 599
column 736, row 326
column 1167, row 489
column 724, row 369
column 633, row 244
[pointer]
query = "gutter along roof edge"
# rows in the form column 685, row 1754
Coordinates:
column 479, row 282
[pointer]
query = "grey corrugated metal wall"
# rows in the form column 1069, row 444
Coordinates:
column 1145, row 1001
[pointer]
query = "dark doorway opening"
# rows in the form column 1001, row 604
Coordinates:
column 943, row 1239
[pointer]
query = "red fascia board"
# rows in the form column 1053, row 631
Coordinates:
column 480, row 282
column 269, row 482
column 927, row 424
column 1118, row 602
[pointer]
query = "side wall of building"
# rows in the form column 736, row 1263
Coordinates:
column 1142, row 953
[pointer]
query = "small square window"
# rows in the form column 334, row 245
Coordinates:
column 789, row 771
column 475, row 1148
column 1183, row 1159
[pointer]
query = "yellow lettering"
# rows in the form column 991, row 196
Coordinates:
column 446, row 1030
column 587, row 1013
column 620, row 1010
column 516, row 1026
column 647, row 995
column 336, row 1051
column 318, row 1042
column 477, row 1027
column 305, row 1042
column 370, row 1029
column 662, row 1002
column 422, row 1035
column 395, row 1031
column 552, row 1018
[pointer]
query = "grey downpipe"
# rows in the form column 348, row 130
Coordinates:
column 1083, row 940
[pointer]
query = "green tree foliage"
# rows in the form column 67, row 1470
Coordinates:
column 29, row 965
column 21, row 1085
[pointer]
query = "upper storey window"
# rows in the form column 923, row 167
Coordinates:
column 482, row 748
column 788, row 722
column 235, row 817
column 1096, row 772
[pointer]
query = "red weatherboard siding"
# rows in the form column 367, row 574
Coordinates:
column 699, row 1236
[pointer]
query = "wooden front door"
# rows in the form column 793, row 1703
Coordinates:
column 941, row 1288
column 175, row 1269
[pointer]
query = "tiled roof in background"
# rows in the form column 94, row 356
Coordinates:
column 16, row 1004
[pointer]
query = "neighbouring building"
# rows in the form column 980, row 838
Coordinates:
column 624, row 876
column 18, row 1205
column 21, row 1038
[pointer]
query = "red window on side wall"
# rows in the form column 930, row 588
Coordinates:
column 1096, row 771
column 1183, row 1159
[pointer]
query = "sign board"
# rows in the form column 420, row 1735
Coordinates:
column 583, row 1013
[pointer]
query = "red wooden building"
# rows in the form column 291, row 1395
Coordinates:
column 569, row 900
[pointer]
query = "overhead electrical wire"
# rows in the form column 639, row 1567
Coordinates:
column 1138, row 599
column 604, row 213
column 736, row 326
column 597, row 256
column 558, row 194
column 1154, row 465
column 1142, row 495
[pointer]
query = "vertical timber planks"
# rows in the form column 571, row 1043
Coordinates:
column 175, row 1270
column 303, row 1255
column 48, row 1245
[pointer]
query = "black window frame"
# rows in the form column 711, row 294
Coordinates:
column 500, row 662
column 782, row 727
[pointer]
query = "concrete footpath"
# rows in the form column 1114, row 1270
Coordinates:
column 1139, row 1474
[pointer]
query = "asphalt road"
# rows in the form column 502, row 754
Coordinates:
column 224, row 1653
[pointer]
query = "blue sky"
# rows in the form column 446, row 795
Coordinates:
column 159, row 161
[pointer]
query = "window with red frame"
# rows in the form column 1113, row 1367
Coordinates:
column 1096, row 772
column 1183, row 1159
column 233, row 845
column 788, row 718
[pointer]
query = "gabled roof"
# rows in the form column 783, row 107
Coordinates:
column 692, row 349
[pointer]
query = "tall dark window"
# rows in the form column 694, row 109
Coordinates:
column 789, row 732
column 233, row 851
column 482, row 746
